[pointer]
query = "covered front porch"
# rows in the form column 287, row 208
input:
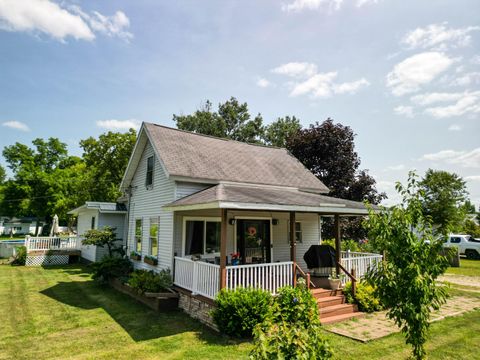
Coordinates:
column 258, row 242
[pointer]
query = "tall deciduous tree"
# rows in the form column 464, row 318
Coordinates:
column 406, row 282
column 444, row 197
column 106, row 159
column 232, row 120
column 277, row 133
column 3, row 175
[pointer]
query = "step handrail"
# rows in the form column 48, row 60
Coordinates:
column 351, row 276
column 306, row 276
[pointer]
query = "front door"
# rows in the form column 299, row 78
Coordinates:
column 253, row 241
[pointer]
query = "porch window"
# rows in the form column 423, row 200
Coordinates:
column 154, row 236
column 138, row 235
column 149, row 179
column 202, row 236
column 298, row 232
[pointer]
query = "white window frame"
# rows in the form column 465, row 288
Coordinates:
column 296, row 231
column 205, row 219
column 157, row 219
column 135, row 235
column 150, row 186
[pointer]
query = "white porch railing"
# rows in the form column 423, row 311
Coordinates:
column 270, row 276
column 361, row 262
column 197, row 276
column 52, row 243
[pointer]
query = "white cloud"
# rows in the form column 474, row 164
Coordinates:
column 48, row 17
column 468, row 103
column 351, row 87
column 466, row 79
column 296, row 69
column 404, row 110
column 361, row 3
column 300, row 5
column 409, row 75
column 439, row 36
column 17, row 125
column 319, row 85
column 263, row 83
column 432, row 98
column 454, row 127
column 396, row 167
column 472, row 178
column 468, row 159
column 116, row 125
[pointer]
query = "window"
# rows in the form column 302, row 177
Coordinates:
column 298, row 232
column 202, row 236
column 455, row 240
column 154, row 236
column 138, row 235
column 149, row 179
column 92, row 226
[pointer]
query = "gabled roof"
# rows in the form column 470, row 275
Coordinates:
column 230, row 196
column 103, row 207
column 194, row 157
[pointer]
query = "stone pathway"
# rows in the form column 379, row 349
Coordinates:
column 375, row 326
column 461, row 280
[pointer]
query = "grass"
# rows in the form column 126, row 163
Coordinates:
column 60, row 313
column 467, row 267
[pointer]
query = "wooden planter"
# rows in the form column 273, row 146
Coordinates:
column 156, row 301
column 150, row 261
column 136, row 257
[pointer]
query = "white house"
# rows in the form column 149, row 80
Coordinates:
column 19, row 226
column 96, row 215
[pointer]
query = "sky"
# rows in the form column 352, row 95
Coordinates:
column 404, row 75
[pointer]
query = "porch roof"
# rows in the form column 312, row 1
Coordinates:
column 246, row 197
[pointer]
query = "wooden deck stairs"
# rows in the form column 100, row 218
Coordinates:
column 333, row 307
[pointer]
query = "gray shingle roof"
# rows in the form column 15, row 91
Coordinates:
column 263, row 195
column 198, row 156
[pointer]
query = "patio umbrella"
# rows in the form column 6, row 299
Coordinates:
column 54, row 230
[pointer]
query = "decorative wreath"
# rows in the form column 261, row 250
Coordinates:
column 252, row 231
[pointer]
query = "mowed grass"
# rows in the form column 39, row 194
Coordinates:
column 60, row 313
column 467, row 268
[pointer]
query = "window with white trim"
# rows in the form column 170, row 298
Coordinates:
column 201, row 236
column 138, row 235
column 298, row 232
column 153, row 248
column 149, row 177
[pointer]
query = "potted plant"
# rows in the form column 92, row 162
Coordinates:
column 135, row 256
column 235, row 258
column 334, row 280
column 151, row 260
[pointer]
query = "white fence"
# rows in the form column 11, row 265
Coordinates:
column 270, row 276
column 52, row 243
column 199, row 277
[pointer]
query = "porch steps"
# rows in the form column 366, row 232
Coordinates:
column 332, row 306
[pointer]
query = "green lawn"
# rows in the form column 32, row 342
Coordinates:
column 60, row 313
column 467, row 267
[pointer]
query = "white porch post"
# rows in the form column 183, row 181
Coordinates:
column 223, row 250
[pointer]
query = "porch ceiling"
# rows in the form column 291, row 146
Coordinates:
column 245, row 197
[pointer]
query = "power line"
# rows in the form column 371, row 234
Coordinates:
column 32, row 198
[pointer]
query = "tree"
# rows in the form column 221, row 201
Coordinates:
column 328, row 151
column 105, row 237
column 231, row 121
column 106, row 159
column 406, row 282
column 3, row 175
column 444, row 196
column 277, row 133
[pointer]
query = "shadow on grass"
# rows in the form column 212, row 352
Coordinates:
column 140, row 322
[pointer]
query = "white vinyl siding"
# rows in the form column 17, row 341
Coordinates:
column 187, row 188
column 147, row 203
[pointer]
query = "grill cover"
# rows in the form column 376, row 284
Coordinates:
column 320, row 256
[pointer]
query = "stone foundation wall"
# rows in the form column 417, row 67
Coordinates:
column 197, row 309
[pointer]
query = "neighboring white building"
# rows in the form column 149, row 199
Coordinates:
column 19, row 226
column 97, row 215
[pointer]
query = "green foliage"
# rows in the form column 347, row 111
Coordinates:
column 365, row 297
column 3, row 175
column 105, row 237
column 21, row 256
column 406, row 282
column 471, row 228
column 443, row 198
column 296, row 305
column 149, row 281
column 352, row 245
column 284, row 341
column 277, row 133
column 111, row 267
column 238, row 311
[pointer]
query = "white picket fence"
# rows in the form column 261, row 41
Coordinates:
column 52, row 243
column 361, row 262
column 270, row 276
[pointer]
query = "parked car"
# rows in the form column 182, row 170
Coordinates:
column 466, row 245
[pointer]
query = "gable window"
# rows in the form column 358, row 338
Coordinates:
column 149, row 179
column 153, row 250
column 138, row 235
column 202, row 236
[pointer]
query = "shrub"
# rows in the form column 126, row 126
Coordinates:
column 21, row 256
column 111, row 267
column 284, row 341
column 239, row 311
column 296, row 305
column 365, row 297
column 149, row 281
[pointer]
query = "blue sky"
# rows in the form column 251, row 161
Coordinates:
column 405, row 75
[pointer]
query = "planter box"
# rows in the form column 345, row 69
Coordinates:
column 155, row 301
column 334, row 284
column 150, row 261
column 136, row 257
